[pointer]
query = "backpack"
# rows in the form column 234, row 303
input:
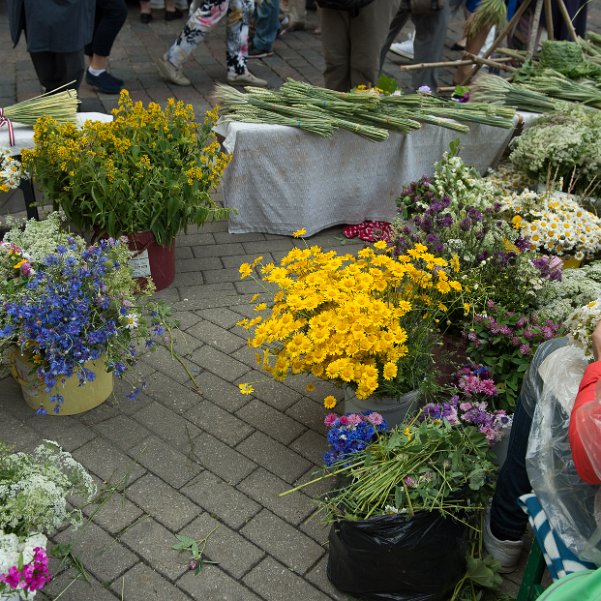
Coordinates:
column 350, row 5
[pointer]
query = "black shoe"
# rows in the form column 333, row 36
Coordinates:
column 105, row 82
column 172, row 15
column 145, row 18
column 256, row 53
column 457, row 47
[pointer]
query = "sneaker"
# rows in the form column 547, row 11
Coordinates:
column 404, row 49
column 105, row 82
column 256, row 53
column 172, row 73
column 506, row 552
column 172, row 15
column 245, row 79
column 145, row 18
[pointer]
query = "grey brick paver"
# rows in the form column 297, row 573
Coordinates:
column 312, row 446
column 221, row 499
column 219, row 391
column 216, row 336
column 122, row 431
column 162, row 502
column 174, row 395
column 213, row 584
column 142, row 583
column 103, row 556
column 274, row 456
column 221, row 459
column 218, row 422
column 67, row 431
column 265, row 488
column 219, row 363
column 234, row 553
column 283, row 541
column 269, row 420
column 169, row 464
column 80, row 590
column 275, row 582
column 222, row 317
column 153, row 543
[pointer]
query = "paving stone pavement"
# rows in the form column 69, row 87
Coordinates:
column 183, row 458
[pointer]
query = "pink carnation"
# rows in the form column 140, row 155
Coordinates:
column 330, row 419
column 375, row 418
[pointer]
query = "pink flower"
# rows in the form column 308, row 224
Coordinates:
column 375, row 418
column 354, row 419
column 343, row 420
column 330, row 419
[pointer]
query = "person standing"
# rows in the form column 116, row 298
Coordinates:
column 353, row 32
column 109, row 19
column 56, row 33
column 204, row 17
column 267, row 23
column 428, row 44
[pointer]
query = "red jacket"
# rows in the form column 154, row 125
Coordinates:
column 586, row 395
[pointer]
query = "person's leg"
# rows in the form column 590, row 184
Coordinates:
column 201, row 21
column 58, row 69
column 238, row 18
column 145, row 11
column 508, row 521
column 110, row 17
column 335, row 41
column 396, row 24
column 296, row 15
column 428, row 46
column 266, row 26
column 368, row 33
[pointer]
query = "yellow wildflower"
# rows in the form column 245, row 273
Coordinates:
column 246, row 388
column 299, row 233
column 245, row 270
column 330, row 402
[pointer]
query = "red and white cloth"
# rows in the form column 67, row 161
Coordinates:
column 369, row 231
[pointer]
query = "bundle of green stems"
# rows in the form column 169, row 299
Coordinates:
column 61, row 106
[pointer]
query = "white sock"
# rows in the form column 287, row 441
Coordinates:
column 95, row 72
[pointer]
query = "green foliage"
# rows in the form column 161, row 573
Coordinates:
column 195, row 548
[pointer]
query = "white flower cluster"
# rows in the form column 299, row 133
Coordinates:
column 34, row 488
column 11, row 171
column 581, row 323
column 555, row 223
column 508, row 179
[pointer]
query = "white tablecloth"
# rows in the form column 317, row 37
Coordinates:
column 282, row 179
column 24, row 133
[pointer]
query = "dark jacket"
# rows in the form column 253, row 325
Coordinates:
column 52, row 25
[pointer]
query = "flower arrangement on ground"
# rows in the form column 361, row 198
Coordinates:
column 11, row 171
column 581, row 323
column 64, row 303
column 473, row 394
column 351, row 432
column 150, row 169
column 505, row 341
column 456, row 213
column 555, row 223
column 366, row 321
column 34, row 489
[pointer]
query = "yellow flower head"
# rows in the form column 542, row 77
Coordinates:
column 310, row 387
column 381, row 245
column 245, row 270
column 330, row 402
column 299, row 233
column 246, row 388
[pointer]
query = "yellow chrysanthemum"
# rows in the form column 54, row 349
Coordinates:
column 299, row 233
column 245, row 388
column 245, row 270
column 330, row 402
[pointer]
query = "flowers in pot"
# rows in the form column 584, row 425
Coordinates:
column 151, row 169
column 34, row 489
column 365, row 321
column 67, row 308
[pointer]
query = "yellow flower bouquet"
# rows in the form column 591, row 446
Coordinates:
column 149, row 169
column 367, row 321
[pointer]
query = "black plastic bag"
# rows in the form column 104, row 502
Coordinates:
column 397, row 558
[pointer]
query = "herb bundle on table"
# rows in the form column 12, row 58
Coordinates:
column 368, row 113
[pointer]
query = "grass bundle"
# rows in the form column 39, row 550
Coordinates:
column 364, row 112
column 61, row 106
column 490, row 13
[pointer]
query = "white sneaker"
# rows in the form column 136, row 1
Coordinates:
column 506, row 552
column 172, row 73
column 404, row 49
column 245, row 79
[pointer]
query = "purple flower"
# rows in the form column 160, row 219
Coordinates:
column 525, row 349
column 424, row 90
column 410, row 482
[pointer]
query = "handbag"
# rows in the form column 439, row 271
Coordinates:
column 423, row 7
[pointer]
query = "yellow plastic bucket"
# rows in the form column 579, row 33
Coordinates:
column 77, row 399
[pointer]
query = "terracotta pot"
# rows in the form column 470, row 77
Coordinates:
column 77, row 398
column 151, row 259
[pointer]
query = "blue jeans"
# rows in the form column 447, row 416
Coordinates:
column 267, row 23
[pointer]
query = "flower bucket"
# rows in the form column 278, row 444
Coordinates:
column 393, row 409
column 151, row 259
column 77, row 399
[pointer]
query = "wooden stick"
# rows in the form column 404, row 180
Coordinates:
column 549, row 20
column 469, row 61
column 501, row 37
column 486, row 61
column 534, row 29
column 513, row 54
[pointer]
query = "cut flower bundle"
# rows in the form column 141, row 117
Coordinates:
column 368, row 113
